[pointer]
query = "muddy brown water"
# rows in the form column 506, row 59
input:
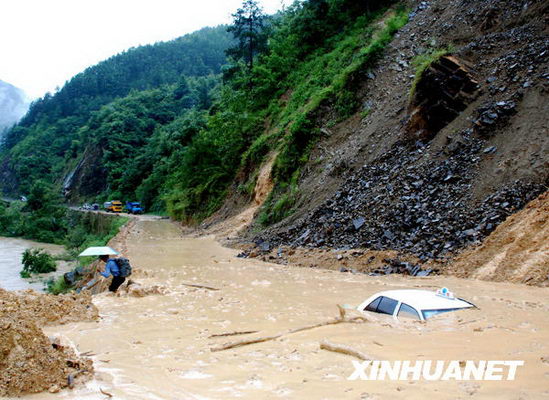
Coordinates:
column 158, row 347
column 11, row 250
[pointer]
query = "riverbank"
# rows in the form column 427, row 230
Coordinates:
column 161, row 345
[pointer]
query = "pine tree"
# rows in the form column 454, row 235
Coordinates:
column 248, row 30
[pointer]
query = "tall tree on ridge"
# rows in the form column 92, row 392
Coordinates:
column 248, row 30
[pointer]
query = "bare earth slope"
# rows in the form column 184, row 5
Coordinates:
column 517, row 251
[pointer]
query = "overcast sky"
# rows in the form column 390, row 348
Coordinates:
column 43, row 43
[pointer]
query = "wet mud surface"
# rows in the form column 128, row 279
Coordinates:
column 158, row 346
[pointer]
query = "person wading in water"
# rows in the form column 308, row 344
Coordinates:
column 111, row 268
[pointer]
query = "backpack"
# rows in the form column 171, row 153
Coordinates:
column 124, row 267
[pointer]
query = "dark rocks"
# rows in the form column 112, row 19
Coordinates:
column 73, row 276
column 429, row 210
column 395, row 266
column 491, row 115
column 358, row 222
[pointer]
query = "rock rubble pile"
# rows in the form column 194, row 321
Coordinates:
column 412, row 202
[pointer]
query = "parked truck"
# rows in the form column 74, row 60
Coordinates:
column 134, row 207
column 113, row 206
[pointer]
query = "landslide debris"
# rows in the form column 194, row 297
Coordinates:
column 431, row 177
column 408, row 202
column 29, row 361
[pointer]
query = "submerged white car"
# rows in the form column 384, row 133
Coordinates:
column 416, row 304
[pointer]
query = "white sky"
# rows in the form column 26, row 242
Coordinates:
column 43, row 43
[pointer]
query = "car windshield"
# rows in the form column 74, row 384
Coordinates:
column 431, row 313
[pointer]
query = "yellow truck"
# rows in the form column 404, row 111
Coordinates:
column 113, row 206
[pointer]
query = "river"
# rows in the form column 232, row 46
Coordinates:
column 11, row 250
column 159, row 346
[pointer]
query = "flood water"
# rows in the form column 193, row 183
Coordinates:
column 11, row 250
column 159, row 346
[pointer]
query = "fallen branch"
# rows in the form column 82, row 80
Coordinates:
column 105, row 393
column 343, row 349
column 200, row 286
column 232, row 334
column 338, row 320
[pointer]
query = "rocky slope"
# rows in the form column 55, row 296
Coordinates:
column 13, row 105
column 432, row 172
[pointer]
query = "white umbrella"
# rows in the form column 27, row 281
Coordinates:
column 98, row 251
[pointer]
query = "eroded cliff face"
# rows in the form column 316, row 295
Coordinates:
column 436, row 171
column 88, row 178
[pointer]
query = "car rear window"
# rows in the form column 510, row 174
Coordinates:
column 407, row 311
column 386, row 305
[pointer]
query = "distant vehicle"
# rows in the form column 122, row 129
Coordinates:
column 107, row 206
column 134, row 207
column 23, row 198
column 95, row 206
column 415, row 304
column 86, row 206
column 116, row 206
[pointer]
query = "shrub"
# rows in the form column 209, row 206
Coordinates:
column 37, row 261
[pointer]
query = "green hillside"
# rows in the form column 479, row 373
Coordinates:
column 166, row 125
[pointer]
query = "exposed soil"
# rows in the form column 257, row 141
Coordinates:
column 517, row 251
column 30, row 362
column 237, row 214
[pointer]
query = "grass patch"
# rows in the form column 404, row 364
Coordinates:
column 422, row 61
column 276, row 208
column 58, row 286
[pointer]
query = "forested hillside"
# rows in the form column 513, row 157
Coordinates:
column 45, row 144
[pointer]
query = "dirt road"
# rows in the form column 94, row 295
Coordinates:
column 159, row 346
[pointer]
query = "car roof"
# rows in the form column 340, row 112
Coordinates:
column 424, row 299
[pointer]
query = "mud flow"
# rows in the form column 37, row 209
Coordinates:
column 159, row 346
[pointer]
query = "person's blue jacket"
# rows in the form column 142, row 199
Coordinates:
column 111, row 268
